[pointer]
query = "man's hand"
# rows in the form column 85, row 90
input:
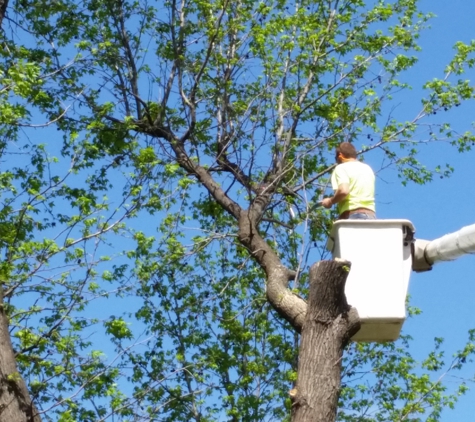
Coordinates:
column 327, row 202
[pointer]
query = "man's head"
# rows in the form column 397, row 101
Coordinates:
column 345, row 151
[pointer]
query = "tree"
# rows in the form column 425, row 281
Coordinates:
column 15, row 400
column 220, row 115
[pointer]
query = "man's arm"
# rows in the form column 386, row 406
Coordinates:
column 340, row 194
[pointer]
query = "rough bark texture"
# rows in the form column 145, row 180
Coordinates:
column 15, row 401
column 329, row 324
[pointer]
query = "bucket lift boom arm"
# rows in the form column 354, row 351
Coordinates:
column 446, row 248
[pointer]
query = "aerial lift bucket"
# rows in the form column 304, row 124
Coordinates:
column 380, row 256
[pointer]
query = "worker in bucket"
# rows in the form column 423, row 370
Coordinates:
column 353, row 183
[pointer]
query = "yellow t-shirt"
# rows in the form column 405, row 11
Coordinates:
column 360, row 178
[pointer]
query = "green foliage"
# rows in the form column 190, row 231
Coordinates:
column 399, row 387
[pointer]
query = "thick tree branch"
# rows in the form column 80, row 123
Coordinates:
column 290, row 306
column 182, row 158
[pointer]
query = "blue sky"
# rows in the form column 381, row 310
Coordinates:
column 446, row 295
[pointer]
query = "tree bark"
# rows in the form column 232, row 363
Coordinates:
column 15, row 401
column 3, row 10
column 290, row 306
column 329, row 324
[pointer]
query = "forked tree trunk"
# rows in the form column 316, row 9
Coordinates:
column 329, row 324
column 15, row 401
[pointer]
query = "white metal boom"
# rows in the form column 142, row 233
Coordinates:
column 445, row 248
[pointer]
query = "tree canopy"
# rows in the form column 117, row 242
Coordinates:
column 161, row 163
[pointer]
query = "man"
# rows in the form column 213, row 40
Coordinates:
column 353, row 183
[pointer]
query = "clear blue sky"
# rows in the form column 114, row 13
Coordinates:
column 446, row 294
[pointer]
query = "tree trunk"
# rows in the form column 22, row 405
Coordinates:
column 329, row 324
column 3, row 10
column 15, row 401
